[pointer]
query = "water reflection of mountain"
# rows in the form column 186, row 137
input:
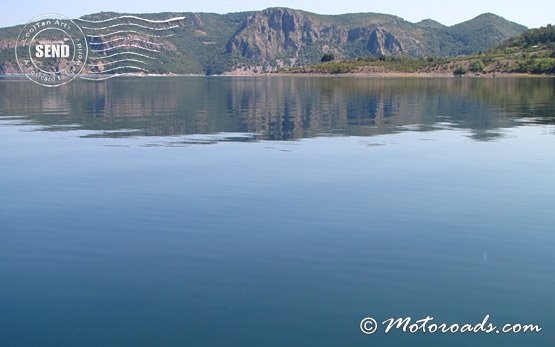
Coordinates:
column 282, row 108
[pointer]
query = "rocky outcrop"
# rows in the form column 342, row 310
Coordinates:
column 276, row 33
column 283, row 33
column 7, row 44
column 297, row 37
column 377, row 40
column 9, row 68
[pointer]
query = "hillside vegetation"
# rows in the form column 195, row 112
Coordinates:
column 531, row 52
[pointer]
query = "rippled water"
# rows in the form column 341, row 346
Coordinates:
column 275, row 211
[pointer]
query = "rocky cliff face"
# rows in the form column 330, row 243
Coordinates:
column 283, row 33
column 296, row 37
column 275, row 33
column 378, row 41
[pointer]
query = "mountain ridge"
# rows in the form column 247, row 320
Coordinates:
column 279, row 37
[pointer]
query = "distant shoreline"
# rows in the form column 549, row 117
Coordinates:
column 409, row 75
column 340, row 75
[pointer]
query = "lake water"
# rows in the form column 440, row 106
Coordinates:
column 275, row 211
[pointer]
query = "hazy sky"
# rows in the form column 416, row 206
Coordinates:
column 532, row 13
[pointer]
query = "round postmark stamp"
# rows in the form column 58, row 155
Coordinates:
column 51, row 50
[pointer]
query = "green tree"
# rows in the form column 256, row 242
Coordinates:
column 327, row 57
column 477, row 66
column 459, row 70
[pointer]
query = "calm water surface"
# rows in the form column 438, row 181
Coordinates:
column 275, row 211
